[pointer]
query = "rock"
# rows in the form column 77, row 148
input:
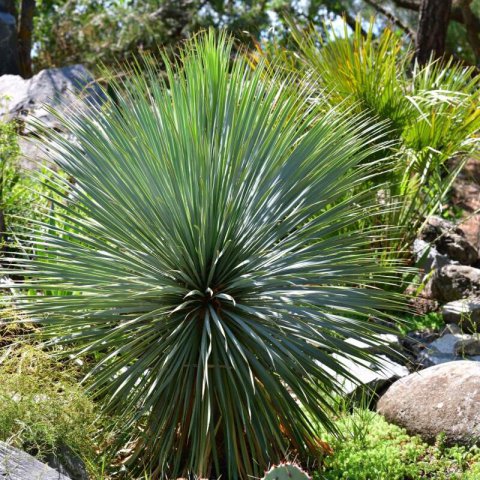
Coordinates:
column 18, row 465
column 452, row 328
column 468, row 346
column 29, row 99
column 449, row 240
column 471, row 228
column 67, row 463
column 453, row 282
column 367, row 376
column 436, row 227
column 465, row 313
column 466, row 195
column 471, row 169
column 8, row 44
column 440, row 399
column 415, row 345
column 441, row 350
column 428, row 349
column 449, row 347
column 427, row 256
column 56, row 87
column 447, row 343
column 382, row 343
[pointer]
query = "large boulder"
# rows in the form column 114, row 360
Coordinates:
column 18, row 465
column 449, row 240
column 31, row 99
column 444, row 399
column 59, row 88
column 453, row 282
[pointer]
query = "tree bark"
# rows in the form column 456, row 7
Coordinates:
column 9, row 62
column 472, row 27
column 432, row 29
column 25, row 33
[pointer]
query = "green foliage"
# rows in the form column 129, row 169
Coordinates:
column 8, row 142
column 41, row 406
column 429, row 321
column 432, row 112
column 286, row 471
column 211, row 261
column 386, row 452
column 18, row 198
column 93, row 32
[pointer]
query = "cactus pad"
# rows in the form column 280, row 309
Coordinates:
column 286, row 471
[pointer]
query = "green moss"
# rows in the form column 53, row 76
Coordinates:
column 385, row 452
column 41, row 405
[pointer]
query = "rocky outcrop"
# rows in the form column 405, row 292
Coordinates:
column 32, row 99
column 449, row 240
column 428, row 257
column 453, row 282
column 18, row 465
column 425, row 349
column 442, row 399
column 370, row 376
column 448, row 261
column 58, row 88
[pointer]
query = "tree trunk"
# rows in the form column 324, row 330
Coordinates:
column 25, row 32
column 9, row 63
column 432, row 29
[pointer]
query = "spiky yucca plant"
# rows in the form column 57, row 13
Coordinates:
column 207, row 248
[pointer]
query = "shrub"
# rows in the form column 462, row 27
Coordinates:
column 386, row 452
column 431, row 110
column 42, row 408
column 17, row 196
column 211, row 262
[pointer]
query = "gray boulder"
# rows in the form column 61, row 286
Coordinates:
column 453, row 282
column 428, row 257
column 18, row 465
column 367, row 377
column 449, row 240
column 68, row 463
column 464, row 313
column 440, row 399
column 31, row 99
column 58, row 88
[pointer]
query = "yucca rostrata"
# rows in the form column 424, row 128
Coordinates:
column 208, row 251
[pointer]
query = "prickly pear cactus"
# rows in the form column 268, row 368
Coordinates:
column 286, row 471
